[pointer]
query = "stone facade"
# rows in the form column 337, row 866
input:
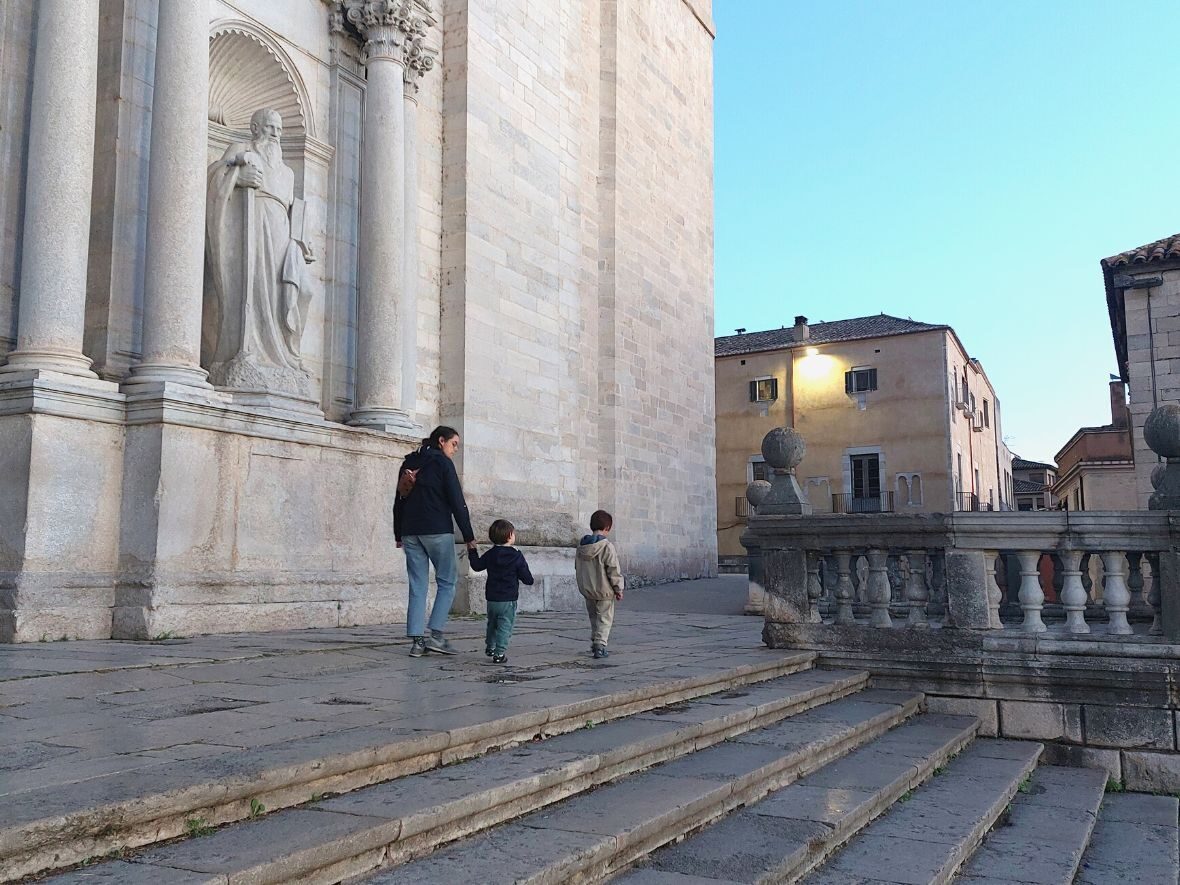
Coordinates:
column 509, row 205
column 931, row 422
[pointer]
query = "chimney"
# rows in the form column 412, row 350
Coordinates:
column 1120, row 415
column 802, row 332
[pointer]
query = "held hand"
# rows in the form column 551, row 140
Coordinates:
column 471, row 545
column 399, row 545
column 619, row 594
column 250, row 176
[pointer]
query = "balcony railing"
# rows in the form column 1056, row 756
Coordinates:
column 846, row 503
column 970, row 503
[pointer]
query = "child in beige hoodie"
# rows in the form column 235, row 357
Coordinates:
column 599, row 579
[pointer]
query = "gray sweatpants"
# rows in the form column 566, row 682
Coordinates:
column 602, row 615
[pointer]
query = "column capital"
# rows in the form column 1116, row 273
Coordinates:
column 392, row 30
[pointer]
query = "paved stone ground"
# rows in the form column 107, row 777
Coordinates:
column 75, row 711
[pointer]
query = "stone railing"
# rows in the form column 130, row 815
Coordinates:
column 981, row 571
column 1040, row 573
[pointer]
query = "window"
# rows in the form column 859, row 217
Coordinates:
column 759, row 470
column 987, row 415
column 860, row 379
column 972, row 404
column 763, row 390
column 866, row 476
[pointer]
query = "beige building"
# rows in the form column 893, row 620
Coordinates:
column 222, row 329
column 1096, row 468
column 896, row 415
column 1143, row 303
column 1032, row 484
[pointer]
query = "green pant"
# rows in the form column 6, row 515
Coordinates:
column 501, row 618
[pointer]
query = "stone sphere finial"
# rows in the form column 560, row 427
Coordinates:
column 1161, row 431
column 783, row 448
column 757, row 491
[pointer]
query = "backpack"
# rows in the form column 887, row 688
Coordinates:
column 406, row 482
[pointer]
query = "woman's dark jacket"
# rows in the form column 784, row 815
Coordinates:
column 435, row 499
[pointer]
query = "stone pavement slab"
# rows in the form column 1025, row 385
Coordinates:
column 1134, row 842
column 111, row 722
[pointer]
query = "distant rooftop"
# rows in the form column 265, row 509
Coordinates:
column 1024, row 487
column 1167, row 249
column 877, row 326
column 1019, row 463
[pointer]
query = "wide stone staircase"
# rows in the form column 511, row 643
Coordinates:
column 777, row 772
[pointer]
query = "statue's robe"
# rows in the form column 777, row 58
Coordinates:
column 253, row 342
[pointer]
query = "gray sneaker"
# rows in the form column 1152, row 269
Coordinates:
column 440, row 644
column 418, row 648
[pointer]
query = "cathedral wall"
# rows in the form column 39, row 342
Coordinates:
column 520, row 257
column 662, row 451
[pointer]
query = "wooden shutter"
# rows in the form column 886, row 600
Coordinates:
column 848, row 382
column 774, row 388
column 753, row 391
column 872, row 380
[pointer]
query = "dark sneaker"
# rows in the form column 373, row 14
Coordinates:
column 418, row 648
column 499, row 658
column 440, row 644
column 598, row 651
column 488, row 652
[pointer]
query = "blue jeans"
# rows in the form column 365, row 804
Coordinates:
column 421, row 550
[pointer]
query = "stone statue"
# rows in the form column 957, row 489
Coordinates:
column 256, row 292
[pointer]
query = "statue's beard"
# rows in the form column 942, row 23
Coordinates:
column 269, row 149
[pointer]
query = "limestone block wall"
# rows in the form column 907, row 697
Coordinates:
column 519, row 314
column 657, row 396
column 1153, row 362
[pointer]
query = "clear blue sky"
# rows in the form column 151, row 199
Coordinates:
column 956, row 162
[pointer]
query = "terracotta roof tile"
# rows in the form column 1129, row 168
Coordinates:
column 1166, row 249
column 877, row 326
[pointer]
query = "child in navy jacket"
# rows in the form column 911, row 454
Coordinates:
column 506, row 568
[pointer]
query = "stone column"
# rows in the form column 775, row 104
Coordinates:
column 381, row 285
column 175, row 257
column 418, row 63
column 52, row 318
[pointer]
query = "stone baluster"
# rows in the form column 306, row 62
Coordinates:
column 1073, row 593
column 844, row 615
column 1153, row 594
column 1136, row 584
column 814, row 588
column 51, row 321
column 386, row 26
column 917, row 594
column 174, row 259
column 995, row 596
column 879, row 591
column 1116, row 597
column 1032, row 597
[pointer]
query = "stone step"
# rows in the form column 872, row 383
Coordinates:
column 1134, row 841
column 926, row 836
column 58, row 826
column 1041, row 839
column 793, row 829
column 346, row 835
column 591, row 836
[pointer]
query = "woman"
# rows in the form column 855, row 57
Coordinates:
column 428, row 499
